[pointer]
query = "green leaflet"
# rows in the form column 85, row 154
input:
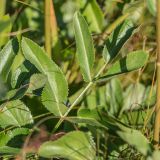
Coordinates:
column 117, row 39
column 14, row 113
column 7, row 55
column 131, row 62
column 74, row 145
column 56, row 82
column 85, row 48
column 93, row 14
column 50, row 104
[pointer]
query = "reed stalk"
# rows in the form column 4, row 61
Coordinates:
column 157, row 110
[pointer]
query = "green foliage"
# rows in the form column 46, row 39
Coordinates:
column 129, row 135
column 56, row 84
column 103, row 116
column 151, row 4
column 6, row 137
column 75, row 145
column 5, row 29
column 14, row 113
column 85, row 50
column 93, row 14
column 36, row 81
column 131, row 62
column 7, row 55
column 117, row 39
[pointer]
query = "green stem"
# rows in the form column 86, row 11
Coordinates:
column 47, row 28
column 157, row 110
column 72, row 106
column 108, row 31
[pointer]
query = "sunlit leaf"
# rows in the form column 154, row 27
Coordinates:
column 56, row 82
column 84, row 43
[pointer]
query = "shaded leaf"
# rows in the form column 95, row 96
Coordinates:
column 84, row 43
column 74, row 145
column 15, row 94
